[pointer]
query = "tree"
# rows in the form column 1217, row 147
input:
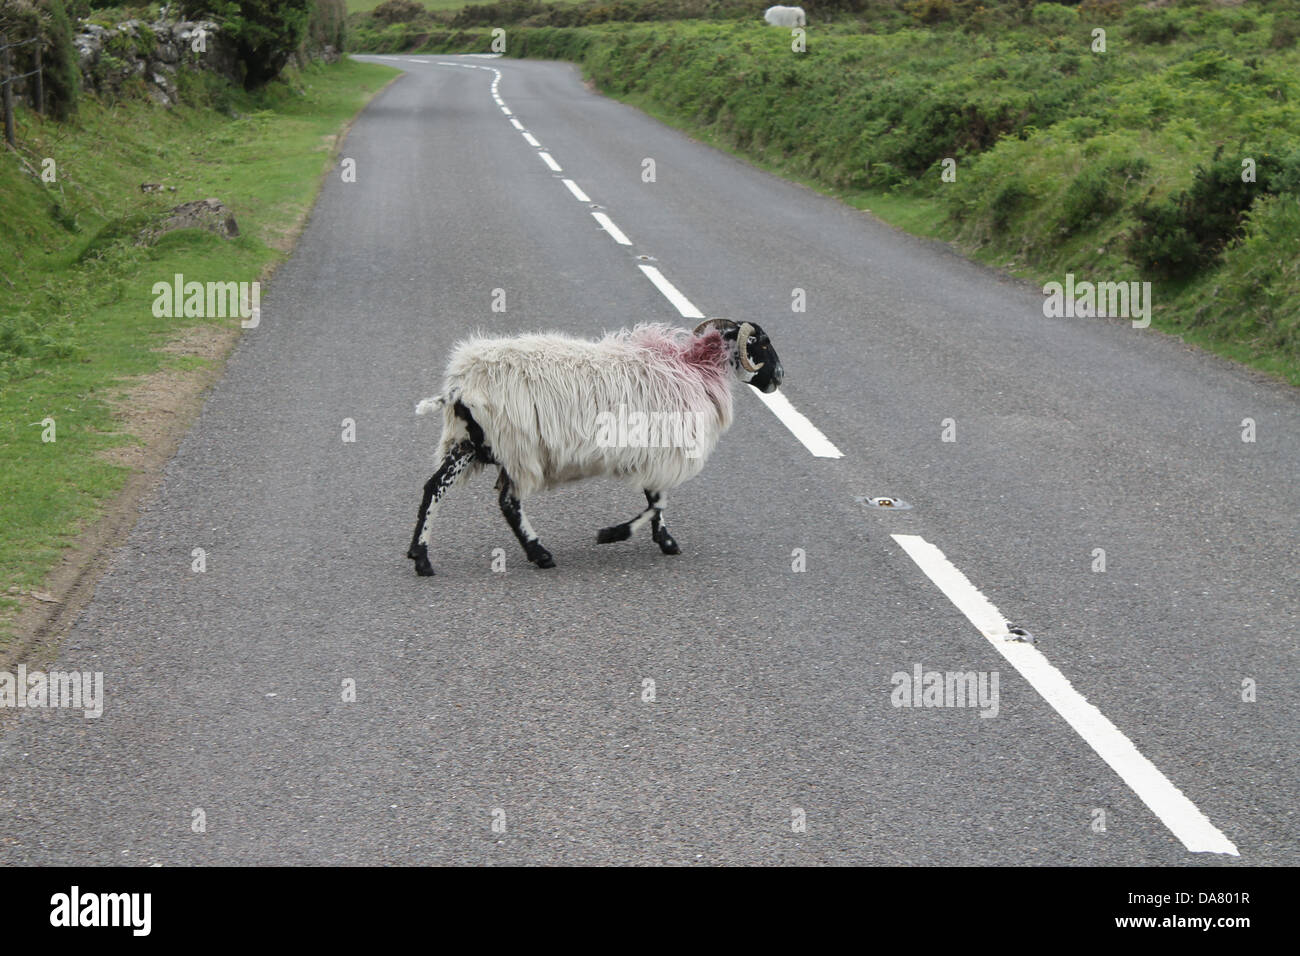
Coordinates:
column 265, row 33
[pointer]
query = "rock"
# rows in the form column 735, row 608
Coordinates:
column 209, row 214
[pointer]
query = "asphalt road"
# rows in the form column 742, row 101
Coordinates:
column 518, row 697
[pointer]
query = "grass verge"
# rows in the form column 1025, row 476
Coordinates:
column 79, row 344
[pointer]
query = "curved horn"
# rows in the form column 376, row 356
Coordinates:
column 722, row 325
column 742, row 343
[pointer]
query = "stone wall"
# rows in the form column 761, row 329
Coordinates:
column 154, row 52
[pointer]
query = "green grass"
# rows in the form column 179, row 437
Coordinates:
column 76, row 320
column 1058, row 149
column 365, row 6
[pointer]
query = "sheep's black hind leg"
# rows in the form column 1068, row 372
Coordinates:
column 451, row 470
column 518, row 521
column 654, row 515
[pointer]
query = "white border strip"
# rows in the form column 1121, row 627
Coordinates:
column 1166, row 801
column 550, row 161
column 608, row 225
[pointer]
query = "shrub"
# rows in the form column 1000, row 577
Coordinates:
column 1258, row 297
column 1006, row 202
column 1187, row 231
column 265, row 33
column 1097, row 192
column 1286, row 30
column 398, row 11
column 1054, row 16
column 1152, row 26
column 930, row 11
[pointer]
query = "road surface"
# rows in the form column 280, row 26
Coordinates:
column 505, row 717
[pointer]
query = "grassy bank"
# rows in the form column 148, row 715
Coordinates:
column 76, row 318
column 1115, row 165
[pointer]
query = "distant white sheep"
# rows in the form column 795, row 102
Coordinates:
column 785, row 16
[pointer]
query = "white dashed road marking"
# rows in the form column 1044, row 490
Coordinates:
column 679, row 301
column 804, row 430
column 578, row 194
column 1166, row 801
column 608, row 225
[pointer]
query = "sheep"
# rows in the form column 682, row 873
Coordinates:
column 547, row 409
column 785, row 16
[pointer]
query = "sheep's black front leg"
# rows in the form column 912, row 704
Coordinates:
column 451, row 470
column 654, row 515
column 518, row 521
column 658, row 531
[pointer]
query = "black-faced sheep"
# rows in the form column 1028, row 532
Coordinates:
column 646, row 405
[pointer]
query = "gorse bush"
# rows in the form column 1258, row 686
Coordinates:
column 1187, row 232
column 1286, row 30
column 1152, row 26
column 398, row 11
column 1097, row 192
column 1256, row 298
column 1054, row 16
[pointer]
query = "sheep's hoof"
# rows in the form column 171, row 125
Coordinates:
column 619, row 532
column 666, row 543
column 419, row 553
column 541, row 557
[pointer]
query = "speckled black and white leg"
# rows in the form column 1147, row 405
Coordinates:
column 658, row 531
column 518, row 521
column 449, row 473
column 653, row 515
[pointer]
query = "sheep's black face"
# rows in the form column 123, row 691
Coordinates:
column 760, row 353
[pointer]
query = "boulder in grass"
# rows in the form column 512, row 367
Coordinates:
column 209, row 214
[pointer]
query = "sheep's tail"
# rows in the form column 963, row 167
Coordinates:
column 425, row 406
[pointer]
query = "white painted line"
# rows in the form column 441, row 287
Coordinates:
column 1166, row 801
column 506, row 110
column 682, row 304
column 546, row 158
column 578, row 194
column 531, row 140
column 516, row 124
column 608, row 225
column 804, row 430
